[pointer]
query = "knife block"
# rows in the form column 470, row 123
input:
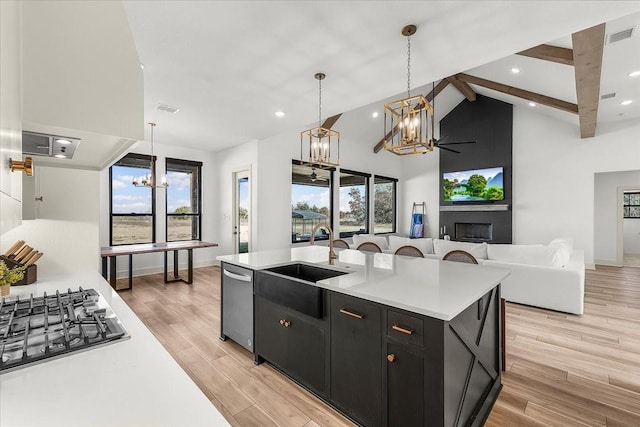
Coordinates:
column 30, row 274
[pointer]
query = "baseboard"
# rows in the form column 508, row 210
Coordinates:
column 607, row 262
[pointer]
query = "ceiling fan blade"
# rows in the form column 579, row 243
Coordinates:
column 456, row 143
column 443, row 139
column 448, row 149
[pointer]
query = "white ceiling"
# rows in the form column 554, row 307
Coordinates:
column 229, row 65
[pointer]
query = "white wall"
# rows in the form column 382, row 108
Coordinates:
column 153, row 263
column 67, row 230
column 553, row 176
column 610, row 230
column 243, row 157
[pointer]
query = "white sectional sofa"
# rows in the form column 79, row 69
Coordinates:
column 547, row 276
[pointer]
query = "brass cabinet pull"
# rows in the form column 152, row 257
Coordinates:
column 391, row 357
column 352, row 314
column 403, row 330
column 285, row 323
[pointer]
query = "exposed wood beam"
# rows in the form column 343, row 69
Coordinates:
column 463, row 88
column 434, row 92
column 328, row 123
column 520, row 93
column 588, row 46
column 561, row 55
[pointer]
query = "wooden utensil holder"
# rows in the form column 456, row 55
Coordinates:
column 30, row 274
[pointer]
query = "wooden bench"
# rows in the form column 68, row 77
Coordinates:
column 109, row 253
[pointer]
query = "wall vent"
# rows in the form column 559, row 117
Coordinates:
column 167, row 108
column 620, row 35
column 608, row 95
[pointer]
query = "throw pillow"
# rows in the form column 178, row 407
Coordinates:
column 381, row 241
column 443, row 247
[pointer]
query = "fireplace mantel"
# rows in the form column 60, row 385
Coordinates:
column 462, row 208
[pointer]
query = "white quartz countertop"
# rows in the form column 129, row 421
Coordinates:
column 133, row 382
column 439, row 289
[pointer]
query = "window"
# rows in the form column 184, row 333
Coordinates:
column 354, row 202
column 631, row 205
column 183, row 200
column 311, row 201
column 384, row 204
column 132, row 209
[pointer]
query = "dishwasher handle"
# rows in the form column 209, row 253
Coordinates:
column 236, row 276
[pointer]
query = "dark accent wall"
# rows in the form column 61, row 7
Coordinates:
column 490, row 123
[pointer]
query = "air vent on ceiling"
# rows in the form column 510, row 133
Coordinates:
column 620, row 35
column 608, row 95
column 168, row 108
column 40, row 144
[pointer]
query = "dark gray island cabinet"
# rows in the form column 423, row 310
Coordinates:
column 399, row 342
column 383, row 366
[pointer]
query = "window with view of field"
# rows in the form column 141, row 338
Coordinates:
column 310, row 201
column 384, row 204
column 132, row 208
column 354, row 202
column 183, row 200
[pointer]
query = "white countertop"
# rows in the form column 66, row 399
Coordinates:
column 439, row 289
column 134, row 382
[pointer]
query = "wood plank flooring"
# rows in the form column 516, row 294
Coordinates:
column 562, row 370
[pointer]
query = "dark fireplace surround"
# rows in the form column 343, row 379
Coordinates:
column 490, row 123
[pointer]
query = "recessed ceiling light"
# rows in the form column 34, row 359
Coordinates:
column 515, row 70
column 280, row 113
column 141, row 66
column 627, row 102
column 63, row 141
column 532, row 104
column 634, row 73
column 60, row 156
column 375, row 114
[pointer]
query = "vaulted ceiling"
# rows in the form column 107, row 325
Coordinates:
column 229, row 66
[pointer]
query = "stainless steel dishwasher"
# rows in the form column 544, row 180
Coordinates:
column 237, row 305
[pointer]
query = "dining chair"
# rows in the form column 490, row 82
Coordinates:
column 463, row 256
column 369, row 247
column 408, row 250
column 339, row 243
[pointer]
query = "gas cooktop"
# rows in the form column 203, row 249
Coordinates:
column 40, row 328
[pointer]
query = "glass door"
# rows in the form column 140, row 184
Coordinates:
column 242, row 209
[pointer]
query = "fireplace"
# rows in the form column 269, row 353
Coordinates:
column 473, row 232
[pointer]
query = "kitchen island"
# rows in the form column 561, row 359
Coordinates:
column 128, row 382
column 389, row 341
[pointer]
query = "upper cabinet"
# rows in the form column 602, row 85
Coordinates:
column 10, row 113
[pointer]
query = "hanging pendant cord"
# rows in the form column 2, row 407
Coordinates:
column 408, row 66
column 319, row 102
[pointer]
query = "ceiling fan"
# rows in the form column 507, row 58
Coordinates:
column 440, row 143
column 314, row 176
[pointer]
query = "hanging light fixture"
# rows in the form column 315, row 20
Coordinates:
column 149, row 180
column 317, row 142
column 409, row 122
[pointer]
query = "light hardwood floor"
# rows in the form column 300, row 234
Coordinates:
column 562, row 370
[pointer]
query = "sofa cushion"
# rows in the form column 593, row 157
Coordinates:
column 443, row 247
column 381, row 241
column 524, row 254
column 424, row 244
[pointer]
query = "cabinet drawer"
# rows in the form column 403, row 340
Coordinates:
column 405, row 328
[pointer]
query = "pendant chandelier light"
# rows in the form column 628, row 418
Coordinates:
column 150, row 180
column 409, row 122
column 317, row 142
